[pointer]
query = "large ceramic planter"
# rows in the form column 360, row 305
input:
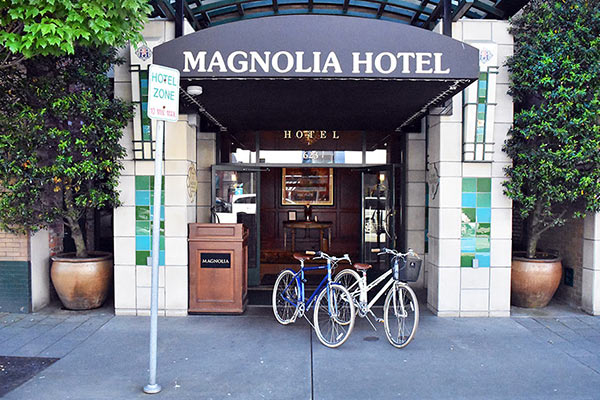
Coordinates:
column 82, row 283
column 534, row 281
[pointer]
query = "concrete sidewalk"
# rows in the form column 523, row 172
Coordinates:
column 554, row 354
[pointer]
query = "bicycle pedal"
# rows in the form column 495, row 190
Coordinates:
column 380, row 320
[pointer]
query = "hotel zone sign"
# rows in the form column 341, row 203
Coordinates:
column 163, row 93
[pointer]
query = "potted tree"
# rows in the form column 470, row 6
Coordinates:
column 60, row 129
column 555, row 141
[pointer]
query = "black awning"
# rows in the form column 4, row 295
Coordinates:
column 319, row 71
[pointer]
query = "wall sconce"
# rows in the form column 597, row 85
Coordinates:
column 381, row 177
column 194, row 90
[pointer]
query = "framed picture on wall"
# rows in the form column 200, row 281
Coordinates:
column 307, row 186
column 292, row 215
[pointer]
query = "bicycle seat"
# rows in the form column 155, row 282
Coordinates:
column 362, row 267
column 301, row 257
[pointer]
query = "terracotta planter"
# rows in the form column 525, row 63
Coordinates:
column 82, row 283
column 534, row 281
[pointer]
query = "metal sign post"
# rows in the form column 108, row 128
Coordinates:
column 163, row 105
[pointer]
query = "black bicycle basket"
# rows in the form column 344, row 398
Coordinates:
column 409, row 272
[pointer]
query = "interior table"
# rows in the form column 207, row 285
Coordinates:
column 321, row 226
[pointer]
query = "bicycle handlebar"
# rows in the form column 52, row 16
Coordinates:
column 395, row 253
column 320, row 254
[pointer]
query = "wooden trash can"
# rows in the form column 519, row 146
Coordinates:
column 218, row 260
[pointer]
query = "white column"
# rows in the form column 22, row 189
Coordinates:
column 590, row 291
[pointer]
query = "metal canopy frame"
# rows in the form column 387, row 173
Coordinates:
column 203, row 14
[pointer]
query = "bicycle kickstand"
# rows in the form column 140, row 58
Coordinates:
column 374, row 316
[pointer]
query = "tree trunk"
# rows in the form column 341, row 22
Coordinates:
column 533, row 231
column 77, row 235
column 532, row 241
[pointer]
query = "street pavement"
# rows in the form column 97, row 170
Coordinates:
column 536, row 354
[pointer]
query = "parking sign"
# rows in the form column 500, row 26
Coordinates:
column 163, row 93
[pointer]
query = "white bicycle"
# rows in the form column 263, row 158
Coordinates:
column 401, row 308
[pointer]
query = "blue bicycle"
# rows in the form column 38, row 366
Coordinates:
column 333, row 305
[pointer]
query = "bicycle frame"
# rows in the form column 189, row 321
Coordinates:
column 299, row 278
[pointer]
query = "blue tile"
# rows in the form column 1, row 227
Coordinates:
column 469, row 200
column 142, row 197
column 467, row 245
column 484, row 214
column 162, row 213
column 484, row 259
column 142, row 243
column 161, row 258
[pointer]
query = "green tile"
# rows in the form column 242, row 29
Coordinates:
column 141, row 257
column 483, row 229
column 162, row 243
column 142, row 213
column 468, row 215
column 484, row 199
column 152, row 183
column 466, row 259
column 482, row 244
column 142, row 228
column 162, row 197
column 162, row 228
column 469, row 185
column 468, row 229
column 484, row 185
column 142, row 182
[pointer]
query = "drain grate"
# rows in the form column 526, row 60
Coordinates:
column 14, row 371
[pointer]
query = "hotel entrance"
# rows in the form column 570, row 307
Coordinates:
column 297, row 190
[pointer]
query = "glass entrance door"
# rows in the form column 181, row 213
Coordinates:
column 235, row 199
column 378, row 211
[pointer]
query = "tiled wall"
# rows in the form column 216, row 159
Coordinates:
column 144, row 216
column 475, row 222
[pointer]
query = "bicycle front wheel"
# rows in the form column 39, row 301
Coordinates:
column 400, row 315
column 334, row 315
column 286, row 295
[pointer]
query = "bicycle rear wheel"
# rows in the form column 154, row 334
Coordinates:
column 286, row 295
column 400, row 315
column 334, row 315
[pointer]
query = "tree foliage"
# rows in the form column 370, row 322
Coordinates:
column 55, row 27
column 555, row 141
column 59, row 141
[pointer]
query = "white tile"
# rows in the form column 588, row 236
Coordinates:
column 176, row 221
column 504, row 51
column 122, row 90
column 176, row 313
column 177, row 167
column 143, row 298
column 176, row 251
column 474, row 300
column 154, row 29
column 415, row 194
column 500, row 314
column 126, row 189
column 203, row 175
column 451, row 142
column 176, row 141
column 128, row 167
column 203, row 194
column 500, row 289
column 144, row 276
column 474, row 314
column 124, row 221
column 125, row 312
column 449, row 289
column 498, row 169
column 449, row 224
column 477, row 170
column 122, row 73
column 477, row 31
column 475, row 278
column 177, row 288
column 456, row 115
column 191, row 214
column 125, row 288
column 415, row 176
column 146, row 168
column 415, row 218
column 447, row 314
column 124, row 250
column 127, row 141
column 416, row 241
column 450, row 192
column 432, row 284
column 176, row 193
column 415, row 154
column 591, row 254
column 457, row 30
column 192, row 150
column 500, row 33
column 500, row 252
column 206, row 153
column 590, row 291
column 499, row 199
column 449, row 168
column 591, row 228
column 449, row 253
column 505, row 106
column 501, row 223
column 203, row 214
